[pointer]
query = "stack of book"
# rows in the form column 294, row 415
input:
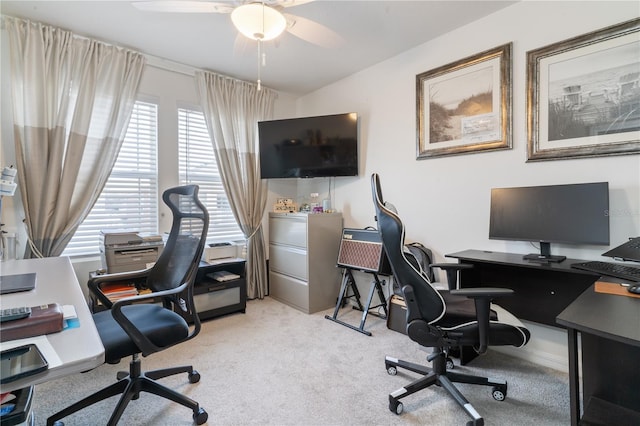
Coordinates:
column 117, row 291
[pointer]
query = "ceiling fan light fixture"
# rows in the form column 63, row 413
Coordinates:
column 258, row 21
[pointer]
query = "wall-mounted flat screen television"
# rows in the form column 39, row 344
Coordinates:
column 572, row 213
column 308, row 147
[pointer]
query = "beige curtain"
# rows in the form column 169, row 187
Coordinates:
column 72, row 100
column 232, row 109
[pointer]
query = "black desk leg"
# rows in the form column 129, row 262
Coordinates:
column 574, row 376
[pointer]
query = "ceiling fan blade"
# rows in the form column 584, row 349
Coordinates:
column 240, row 45
column 312, row 32
column 289, row 3
column 186, row 6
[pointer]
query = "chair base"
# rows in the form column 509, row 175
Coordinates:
column 129, row 386
column 438, row 375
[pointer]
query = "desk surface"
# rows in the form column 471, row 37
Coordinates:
column 605, row 315
column 516, row 259
column 78, row 349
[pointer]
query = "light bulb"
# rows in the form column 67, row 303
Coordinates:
column 258, row 21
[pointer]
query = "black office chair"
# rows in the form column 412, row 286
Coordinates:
column 131, row 328
column 443, row 319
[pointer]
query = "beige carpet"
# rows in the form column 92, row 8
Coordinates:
column 277, row 366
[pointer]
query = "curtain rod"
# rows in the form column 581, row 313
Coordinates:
column 152, row 60
column 168, row 65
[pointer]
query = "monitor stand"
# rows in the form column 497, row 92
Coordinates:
column 545, row 255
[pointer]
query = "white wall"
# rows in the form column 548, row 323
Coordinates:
column 444, row 202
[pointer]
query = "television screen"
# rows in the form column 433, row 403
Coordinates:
column 573, row 214
column 321, row 146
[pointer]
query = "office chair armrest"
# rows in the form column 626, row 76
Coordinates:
column 452, row 272
column 411, row 304
column 144, row 344
column 482, row 296
column 95, row 283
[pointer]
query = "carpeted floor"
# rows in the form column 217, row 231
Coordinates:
column 277, row 366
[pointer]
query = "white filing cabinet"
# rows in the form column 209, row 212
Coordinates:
column 303, row 251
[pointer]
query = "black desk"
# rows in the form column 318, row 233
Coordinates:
column 610, row 335
column 542, row 290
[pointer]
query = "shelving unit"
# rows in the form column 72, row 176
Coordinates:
column 211, row 298
column 215, row 298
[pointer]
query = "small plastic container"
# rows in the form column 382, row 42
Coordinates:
column 21, row 415
column 9, row 245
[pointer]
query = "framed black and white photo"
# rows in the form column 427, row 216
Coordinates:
column 465, row 106
column 583, row 95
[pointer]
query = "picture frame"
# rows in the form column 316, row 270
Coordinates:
column 583, row 95
column 465, row 106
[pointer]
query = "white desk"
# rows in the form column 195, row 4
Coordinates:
column 78, row 349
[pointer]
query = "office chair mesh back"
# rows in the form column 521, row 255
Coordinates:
column 430, row 303
column 178, row 262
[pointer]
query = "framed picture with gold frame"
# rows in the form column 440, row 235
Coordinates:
column 465, row 106
column 583, row 95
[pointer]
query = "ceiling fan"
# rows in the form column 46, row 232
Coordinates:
column 257, row 20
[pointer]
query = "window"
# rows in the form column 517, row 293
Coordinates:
column 129, row 199
column 198, row 166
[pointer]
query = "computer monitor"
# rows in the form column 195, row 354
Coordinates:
column 571, row 214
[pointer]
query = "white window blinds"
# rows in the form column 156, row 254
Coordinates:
column 198, row 166
column 129, row 199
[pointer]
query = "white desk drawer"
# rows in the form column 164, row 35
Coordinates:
column 216, row 299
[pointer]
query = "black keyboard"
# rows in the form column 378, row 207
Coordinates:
column 616, row 270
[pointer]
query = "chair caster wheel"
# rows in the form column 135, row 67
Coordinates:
column 194, row 377
column 450, row 364
column 392, row 370
column 200, row 417
column 479, row 422
column 395, row 406
column 499, row 393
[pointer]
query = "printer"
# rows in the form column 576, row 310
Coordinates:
column 219, row 252
column 126, row 250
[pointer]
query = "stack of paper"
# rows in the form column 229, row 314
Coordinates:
column 223, row 276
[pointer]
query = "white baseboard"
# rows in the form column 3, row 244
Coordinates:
column 545, row 359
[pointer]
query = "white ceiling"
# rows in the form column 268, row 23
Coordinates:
column 370, row 32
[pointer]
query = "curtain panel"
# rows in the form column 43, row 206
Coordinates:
column 72, row 101
column 232, row 109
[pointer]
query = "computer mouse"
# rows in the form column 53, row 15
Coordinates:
column 634, row 289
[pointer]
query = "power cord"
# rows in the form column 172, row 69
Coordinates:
column 32, row 245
